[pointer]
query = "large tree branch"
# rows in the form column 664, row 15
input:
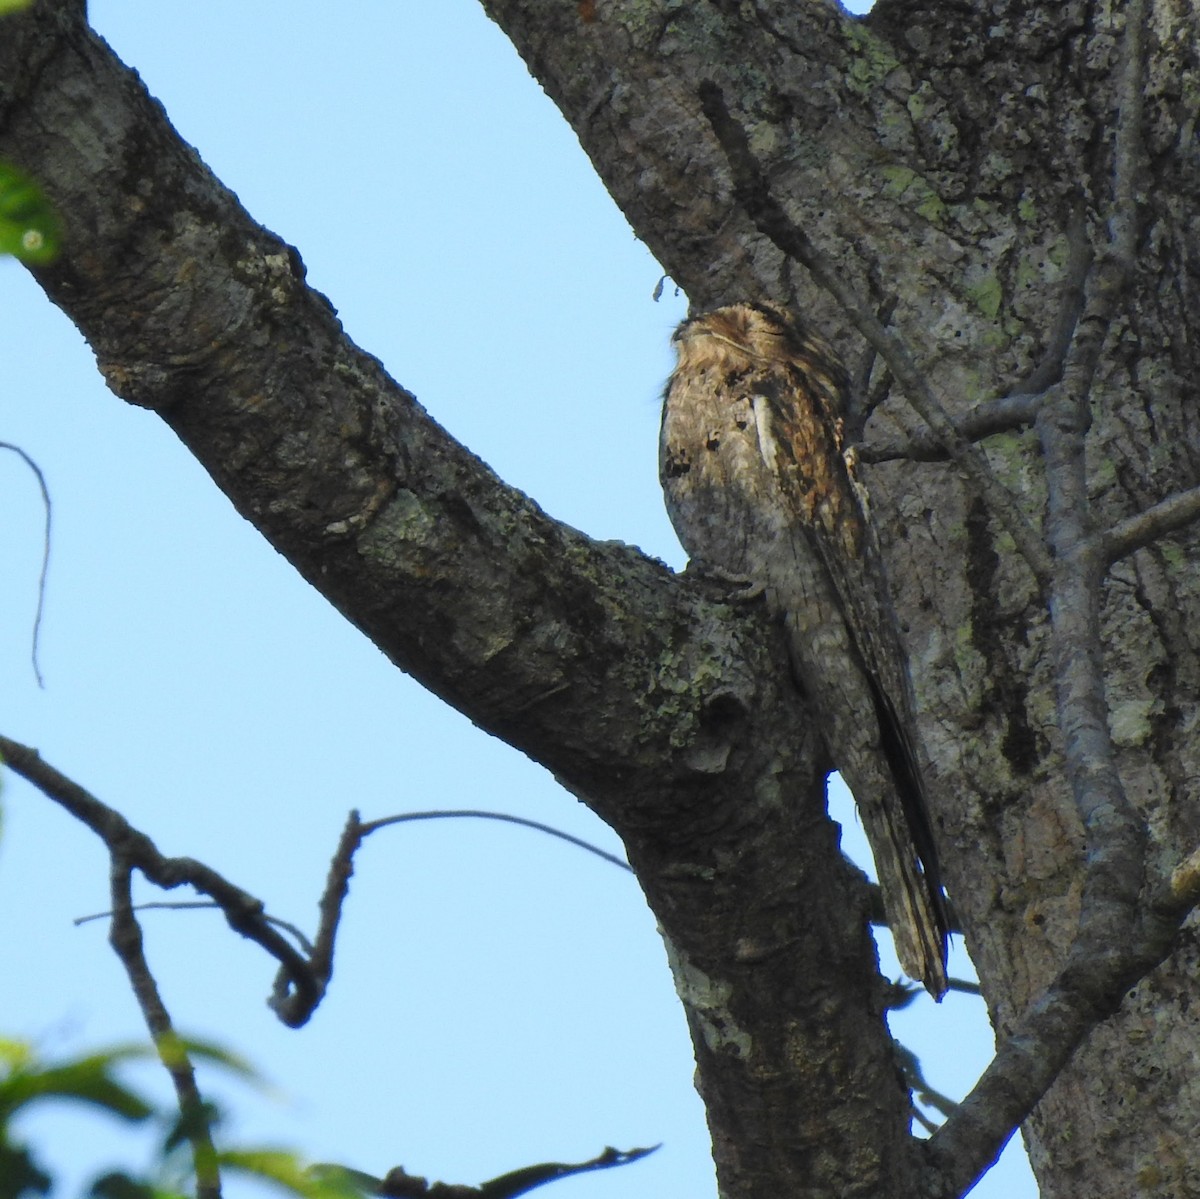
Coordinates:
column 201, row 315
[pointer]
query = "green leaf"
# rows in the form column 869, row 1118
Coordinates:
column 87, row 1080
column 209, row 1051
column 29, row 228
column 20, row 1175
column 7, row 6
column 120, row 1185
column 14, row 1054
column 92, row 1079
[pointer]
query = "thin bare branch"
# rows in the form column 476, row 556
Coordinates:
column 303, row 977
column 1018, row 408
column 243, row 912
column 198, row 904
column 1175, row 512
column 1115, row 834
column 1115, row 264
column 41, row 587
column 754, row 193
column 862, row 401
column 1077, row 270
column 1129, row 151
column 125, row 936
column 504, row 817
column 1001, row 415
column 294, row 1006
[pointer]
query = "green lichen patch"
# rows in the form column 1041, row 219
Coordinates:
column 986, row 294
column 872, row 61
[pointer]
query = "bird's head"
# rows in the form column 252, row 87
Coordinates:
column 756, row 331
column 755, row 334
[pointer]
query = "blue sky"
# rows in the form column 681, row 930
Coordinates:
column 500, row 998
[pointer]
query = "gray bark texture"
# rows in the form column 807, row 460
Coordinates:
column 990, row 207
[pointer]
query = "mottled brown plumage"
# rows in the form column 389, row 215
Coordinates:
column 759, row 488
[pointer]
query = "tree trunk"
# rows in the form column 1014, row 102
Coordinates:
column 948, row 185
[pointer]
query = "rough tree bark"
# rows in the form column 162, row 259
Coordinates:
column 978, row 200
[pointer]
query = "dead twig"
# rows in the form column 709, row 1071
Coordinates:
column 39, row 611
column 243, row 912
column 305, row 973
column 125, row 936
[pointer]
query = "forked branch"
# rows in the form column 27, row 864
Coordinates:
column 133, row 849
column 305, row 973
column 1114, row 831
column 1055, row 1025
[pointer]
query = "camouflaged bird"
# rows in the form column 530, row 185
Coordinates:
column 760, row 488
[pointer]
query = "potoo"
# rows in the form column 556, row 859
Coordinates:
column 760, row 489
